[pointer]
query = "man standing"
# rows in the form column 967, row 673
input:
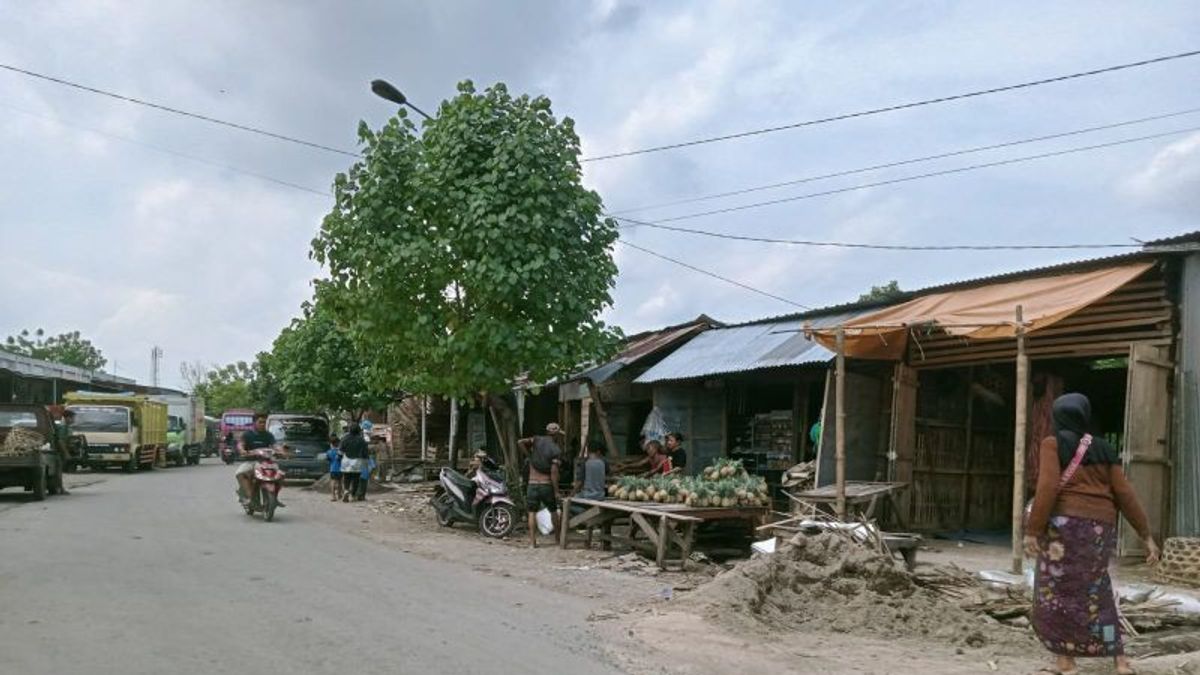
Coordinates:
column 545, row 456
column 254, row 439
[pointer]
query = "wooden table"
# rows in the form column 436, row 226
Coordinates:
column 666, row 526
column 858, row 494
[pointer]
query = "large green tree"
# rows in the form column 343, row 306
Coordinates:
column 236, row 385
column 319, row 367
column 470, row 252
column 887, row 292
column 67, row 348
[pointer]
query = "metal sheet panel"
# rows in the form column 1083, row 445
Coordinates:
column 738, row 349
column 1186, row 445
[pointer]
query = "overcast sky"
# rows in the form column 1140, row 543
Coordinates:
column 104, row 230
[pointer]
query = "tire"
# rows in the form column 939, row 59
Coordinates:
column 39, row 484
column 132, row 464
column 441, row 508
column 497, row 521
column 270, row 501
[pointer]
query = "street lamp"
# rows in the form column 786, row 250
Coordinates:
column 385, row 90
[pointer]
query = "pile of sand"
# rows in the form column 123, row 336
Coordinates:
column 826, row 582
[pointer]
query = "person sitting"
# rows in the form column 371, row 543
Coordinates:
column 590, row 476
column 660, row 461
column 675, row 449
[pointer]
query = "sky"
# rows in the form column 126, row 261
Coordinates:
column 142, row 228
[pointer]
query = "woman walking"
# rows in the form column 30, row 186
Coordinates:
column 1072, row 531
column 354, row 458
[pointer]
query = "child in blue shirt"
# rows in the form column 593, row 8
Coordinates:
column 334, row 455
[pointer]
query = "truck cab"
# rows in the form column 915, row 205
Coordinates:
column 112, row 435
column 30, row 452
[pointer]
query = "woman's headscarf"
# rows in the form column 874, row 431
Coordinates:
column 1073, row 419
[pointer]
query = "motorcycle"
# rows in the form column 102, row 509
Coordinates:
column 481, row 500
column 266, row 484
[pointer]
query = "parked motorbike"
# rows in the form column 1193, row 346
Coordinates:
column 481, row 500
column 228, row 453
column 268, row 481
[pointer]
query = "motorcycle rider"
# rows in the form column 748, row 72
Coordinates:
column 255, row 439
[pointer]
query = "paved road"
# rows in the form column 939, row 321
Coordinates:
column 160, row 572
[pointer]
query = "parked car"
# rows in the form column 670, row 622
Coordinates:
column 307, row 438
column 30, row 451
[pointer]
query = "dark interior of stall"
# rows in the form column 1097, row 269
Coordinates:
column 769, row 423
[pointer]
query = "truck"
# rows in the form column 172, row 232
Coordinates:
column 185, row 427
column 120, row 430
column 31, row 452
column 234, row 423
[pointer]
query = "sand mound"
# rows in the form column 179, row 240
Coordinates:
column 826, row 582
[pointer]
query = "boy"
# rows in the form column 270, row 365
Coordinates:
column 334, row 455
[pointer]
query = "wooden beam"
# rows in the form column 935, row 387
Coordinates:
column 664, row 540
column 840, row 440
column 645, row 527
column 602, row 418
column 1019, row 433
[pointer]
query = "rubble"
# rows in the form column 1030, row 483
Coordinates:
column 828, row 582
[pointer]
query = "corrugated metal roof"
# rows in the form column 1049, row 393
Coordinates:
column 737, row 349
column 644, row 344
column 30, row 367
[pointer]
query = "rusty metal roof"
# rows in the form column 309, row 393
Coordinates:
column 641, row 345
column 737, row 349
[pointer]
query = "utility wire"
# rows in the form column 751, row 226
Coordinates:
column 173, row 153
column 903, row 162
column 893, row 108
column 177, row 111
column 905, row 179
column 712, row 274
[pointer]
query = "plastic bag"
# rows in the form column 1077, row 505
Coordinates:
column 655, row 428
column 545, row 521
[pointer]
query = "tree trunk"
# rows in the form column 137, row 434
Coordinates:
column 505, row 421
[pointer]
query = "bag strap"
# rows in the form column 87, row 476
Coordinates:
column 1084, row 443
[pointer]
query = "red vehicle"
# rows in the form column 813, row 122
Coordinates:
column 268, row 481
column 233, row 423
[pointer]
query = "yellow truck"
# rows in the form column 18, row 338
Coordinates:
column 122, row 430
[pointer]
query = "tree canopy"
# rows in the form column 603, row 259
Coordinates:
column 319, row 367
column 467, row 254
column 889, row 291
column 67, row 348
column 235, row 385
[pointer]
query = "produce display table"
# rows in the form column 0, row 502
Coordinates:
column 668, row 527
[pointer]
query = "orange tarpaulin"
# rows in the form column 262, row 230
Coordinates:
column 984, row 312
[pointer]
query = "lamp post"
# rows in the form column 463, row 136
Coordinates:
column 384, row 89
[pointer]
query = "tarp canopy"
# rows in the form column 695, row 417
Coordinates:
column 981, row 313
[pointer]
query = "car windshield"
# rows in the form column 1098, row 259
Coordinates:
column 101, row 419
column 174, row 423
column 299, row 429
column 18, row 418
column 238, row 420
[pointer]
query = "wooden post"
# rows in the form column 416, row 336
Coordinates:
column 452, row 452
column 602, row 418
column 840, row 427
column 424, row 436
column 1018, row 505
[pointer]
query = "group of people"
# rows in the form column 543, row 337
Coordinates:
column 591, row 470
column 350, row 465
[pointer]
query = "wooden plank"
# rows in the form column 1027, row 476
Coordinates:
column 1019, row 433
column 566, row 522
column 602, row 418
column 629, row 507
column 640, row 520
column 689, row 535
column 664, row 539
column 1108, row 348
column 840, row 447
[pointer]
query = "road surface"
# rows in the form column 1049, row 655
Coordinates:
column 160, row 572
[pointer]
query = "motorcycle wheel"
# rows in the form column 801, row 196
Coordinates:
column 441, row 507
column 270, row 500
column 497, row 521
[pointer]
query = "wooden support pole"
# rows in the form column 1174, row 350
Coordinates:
column 602, row 418
column 1018, row 505
column 451, row 450
column 424, row 435
column 840, row 426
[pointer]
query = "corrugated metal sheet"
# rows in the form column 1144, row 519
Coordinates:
column 1187, row 405
column 642, row 345
column 738, row 349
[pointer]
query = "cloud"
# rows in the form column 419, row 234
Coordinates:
column 1171, row 179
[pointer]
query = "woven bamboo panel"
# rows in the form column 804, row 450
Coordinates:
column 1137, row 312
column 1180, row 561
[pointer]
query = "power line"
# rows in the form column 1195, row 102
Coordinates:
column 889, row 247
column 902, row 162
column 177, row 111
column 174, row 153
column 712, row 274
column 906, row 179
column 892, row 108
